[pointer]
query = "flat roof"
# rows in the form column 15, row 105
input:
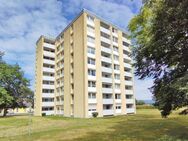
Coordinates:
column 90, row 13
column 94, row 15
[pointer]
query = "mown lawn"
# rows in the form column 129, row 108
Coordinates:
column 146, row 125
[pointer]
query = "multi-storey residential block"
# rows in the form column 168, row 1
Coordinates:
column 86, row 69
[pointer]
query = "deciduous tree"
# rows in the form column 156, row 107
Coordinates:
column 160, row 50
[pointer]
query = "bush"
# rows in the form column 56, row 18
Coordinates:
column 43, row 114
column 184, row 112
column 95, row 114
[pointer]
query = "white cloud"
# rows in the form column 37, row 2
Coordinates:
column 22, row 23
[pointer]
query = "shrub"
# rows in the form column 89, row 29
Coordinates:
column 95, row 114
column 43, row 114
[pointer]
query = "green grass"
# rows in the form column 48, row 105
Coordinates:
column 146, row 125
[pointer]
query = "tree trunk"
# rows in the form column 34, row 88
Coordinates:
column 5, row 112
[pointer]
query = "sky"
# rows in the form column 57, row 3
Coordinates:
column 23, row 21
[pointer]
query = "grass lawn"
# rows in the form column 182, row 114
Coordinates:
column 146, row 125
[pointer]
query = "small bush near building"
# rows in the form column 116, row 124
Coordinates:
column 95, row 114
column 43, row 114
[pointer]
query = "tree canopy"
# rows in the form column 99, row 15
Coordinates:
column 14, row 90
column 160, row 50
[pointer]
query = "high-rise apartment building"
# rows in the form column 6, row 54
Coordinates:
column 85, row 69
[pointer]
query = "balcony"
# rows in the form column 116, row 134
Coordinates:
column 117, row 71
column 107, row 50
column 126, row 40
column 126, row 48
column 115, row 34
column 91, row 101
column 116, row 62
column 60, row 112
column 107, row 90
column 129, row 92
column 47, row 104
column 49, row 54
column 91, row 55
column 130, row 101
column 105, row 69
column 106, row 80
column 49, row 46
column 118, row 111
column 92, row 34
column 115, row 44
column 90, row 44
column 45, row 86
column 126, row 65
column 108, row 112
column 48, row 112
column 90, row 77
column 91, row 66
column 106, row 59
column 130, row 110
column 129, row 74
column 59, row 103
column 49, row 95
column 117, row 90
column 48, row 78
column 51, row 62
column 118, row 100
column 107, row 31
column 108, row 101
column 103, row 39
column 92, row 89
column 91, row 23
column 52, row 70
column 126, row 57
column 117, row 81
column 129, row 83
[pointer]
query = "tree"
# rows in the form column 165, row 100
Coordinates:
column 160, row 49
column 5, row 99
column 14, row 87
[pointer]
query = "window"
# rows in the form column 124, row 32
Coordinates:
column 125, row 44
column 91, row 95
column 117, row 76
column 116, row 57
column 115, row 39
column 129, row 96
column 91, row 61
column 124, row 35
column 116, row 67
column 91, row 84
column 90, row 18
column 115, row 49
column 129, row 105
column 91, row 72
column 114, row 30
column 47, row 91
column 48, row 82
column 90, row 39
column 47, row 99
column 118, row 107
column 90, row 29
column 117, row 96
column 105, row 35
column 91, row 50
column 47, row 108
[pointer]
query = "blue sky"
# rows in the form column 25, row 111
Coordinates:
column 23, row 21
